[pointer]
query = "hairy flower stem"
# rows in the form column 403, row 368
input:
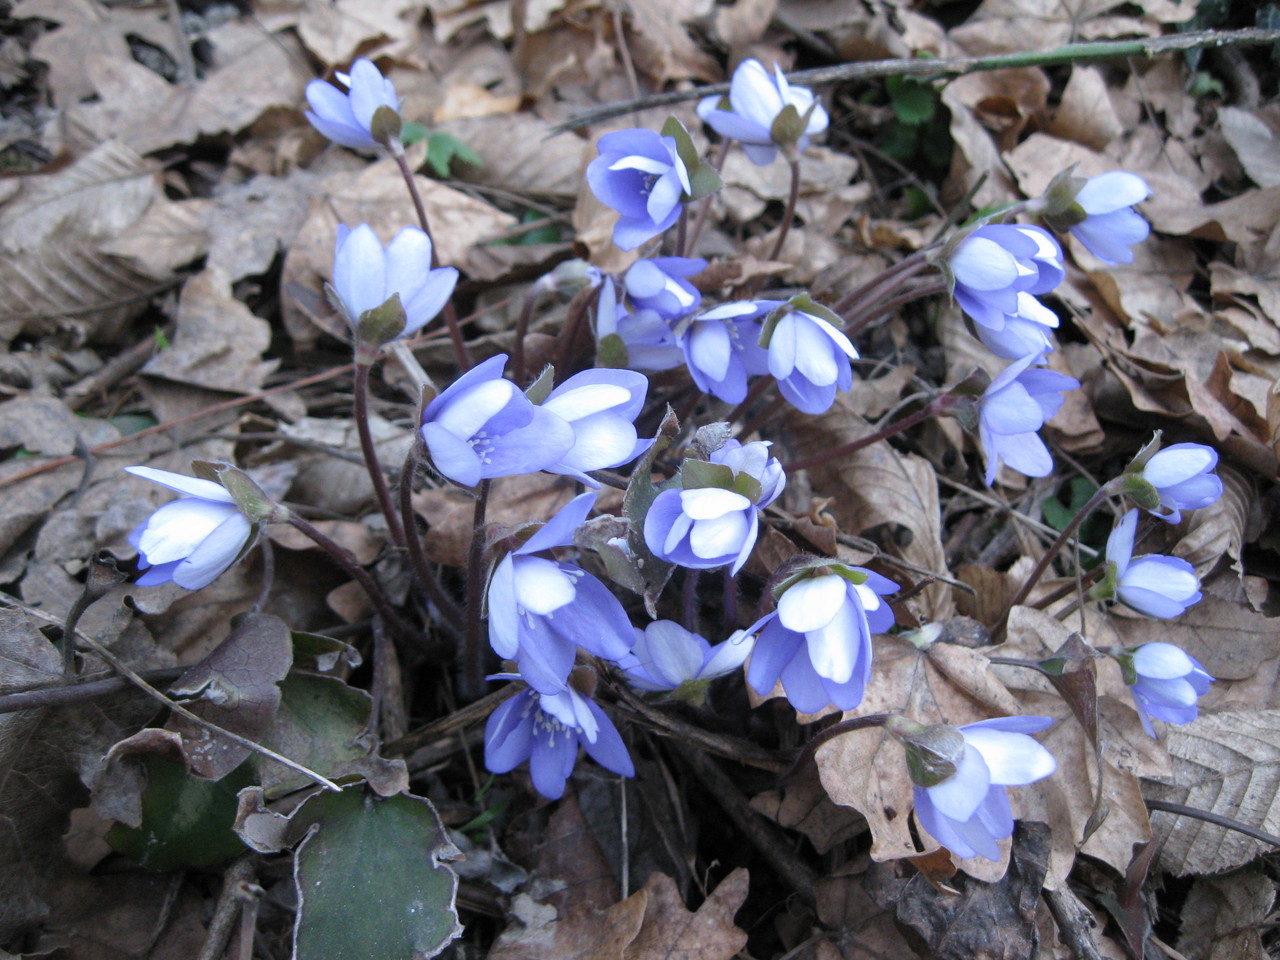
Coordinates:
column 347, row 561
column 1002, row 622
column 858, row 320
column 471, row 659
column 789, row 214
column 830, row 733
column 450, row 614
column 888, row 278
column 682, row 230
column 522, row 330
column 690, row 612
column 369, row 452
column 705, row 208
column 730, row 618
column 937, row 406
column 573, row 323
column 450, row 314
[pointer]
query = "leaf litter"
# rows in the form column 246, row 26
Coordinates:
column 185, row 213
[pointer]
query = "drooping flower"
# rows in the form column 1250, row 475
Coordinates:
column 818, row 641
column 640, row 174
column 808, row 355
column 756, row 101
column 1099, row 211
column 346, row 118
column 722, row 349
column 641, row 340
column 483, row 427
column 714, row 519
column 547, row 730
column 1024, row 333
column 997, row 267
column 962, row 801
column 1166, row 681
column 600, row 407
column 659, row 284
column 1183, row 478
column 541, row 610
column 1153, row 584
column 1012, row 409
column 365, row 275
column 192, row 540
column 669, row 657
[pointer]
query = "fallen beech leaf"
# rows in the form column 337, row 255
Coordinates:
column 1227, row 763
column 867, row 769
column 670, row 932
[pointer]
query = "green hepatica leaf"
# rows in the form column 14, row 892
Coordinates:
column 321, row 724
column 186, row 821
column 371, row 881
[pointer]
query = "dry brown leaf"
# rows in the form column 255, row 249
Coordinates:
column 1254, row 140
column 254, row 72
column 168, row 236
column 52, row 272
column 1223, row 917
column 670, row 932
column 1226, row 763
column 661, row 45
column 1085, row 113
column 335, row 484
column 585, row 934
column 218, row 343
column 875, row 486
column 867, row 770
column 336, row 32
column 863, row 929
column 87, row 29
column 1066, row 800
column 1003, row 101
column 802, row 804
column 519, row 155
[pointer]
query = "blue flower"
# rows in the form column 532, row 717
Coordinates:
column 668, row 657
column 1023, row 333
column 546, row 730
column 1153, row 584
column 193, row 540
column 345, row 117
column 600, row 407
column 721, row 348
column 702, row 527
column 365, row 275
column 541, row 610
column 1183, row 478
column 639, row 174
column 1166, row 682
column 818, row 641
column 1012, row 409
column 756, row 98
column 808, row 355
column 999, row 269
column 968, row 811
column 483, row 427
column 644, row 341
column 659, row 284
column 1111, row 225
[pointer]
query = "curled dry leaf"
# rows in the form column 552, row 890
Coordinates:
column 867, row 769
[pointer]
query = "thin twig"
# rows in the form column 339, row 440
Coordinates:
column 1218, row 819
column 947, row 67
column 238, row 875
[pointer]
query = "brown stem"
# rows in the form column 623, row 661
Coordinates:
column 703, row 210
column 347, row 561
column 472, row 654
column 370, row 453
column 909, row 265
column 789, row 214
column 1002, row 622
column 268, row 574
column 859, row 320
column 450, row 314
column 682, row 230
column 755, row 393
column 1209, row 817
column 573, row 325
column 764, row 416
column 931, row 409
column 64, row 693
column 450, row 613
column 522, row 330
